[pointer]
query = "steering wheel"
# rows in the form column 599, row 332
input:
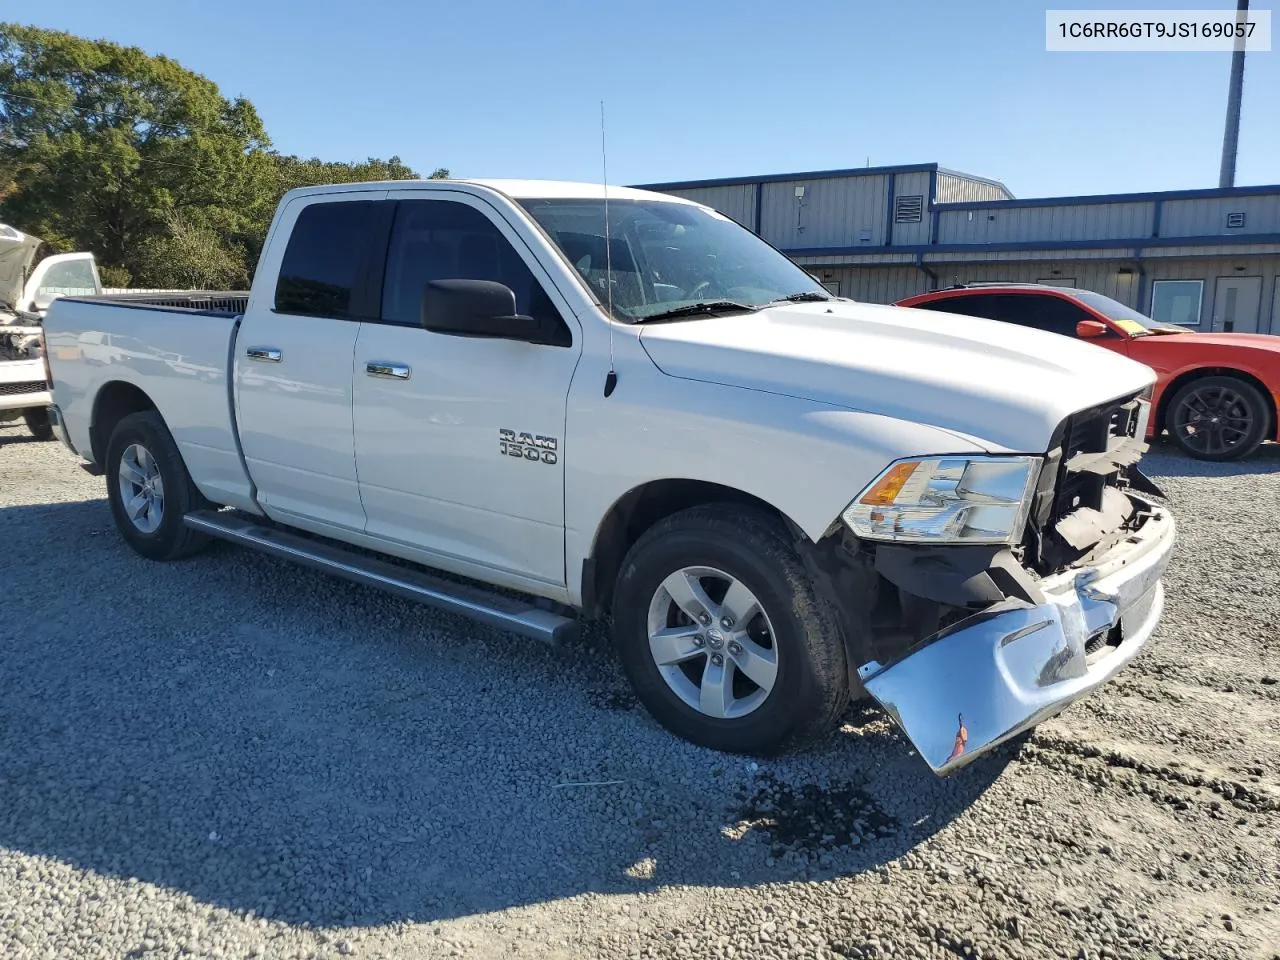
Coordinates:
column 697, row 291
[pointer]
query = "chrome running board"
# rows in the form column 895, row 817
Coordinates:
column 476, row 603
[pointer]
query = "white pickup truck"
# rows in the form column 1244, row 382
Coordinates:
column 460, row 392
column 24, row 298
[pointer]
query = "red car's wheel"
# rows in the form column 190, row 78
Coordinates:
column 1218, row 418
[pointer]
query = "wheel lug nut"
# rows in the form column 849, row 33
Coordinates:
column 704, row 619
column 726, row 622
column 735, row 648
column 717, row 659
column 698, row 640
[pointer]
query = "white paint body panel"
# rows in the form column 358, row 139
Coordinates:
column 800, row 406
column 448, row 491
column 178, row 359
column 23, row 371
column 1008, row 385
column 294, row 416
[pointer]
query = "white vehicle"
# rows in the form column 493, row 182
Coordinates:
column 783, row 498
column 24, row 386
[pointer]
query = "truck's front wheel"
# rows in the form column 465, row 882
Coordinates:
column 150, row 490
column 723, row 636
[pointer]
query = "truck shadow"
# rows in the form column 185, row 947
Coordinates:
column 15, row 432
column 270, row 740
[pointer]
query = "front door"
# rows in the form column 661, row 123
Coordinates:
column 1235, row 304
column 460, row 440
column 293, row 362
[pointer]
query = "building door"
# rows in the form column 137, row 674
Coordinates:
column 1235, row 304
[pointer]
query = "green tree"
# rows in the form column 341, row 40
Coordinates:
column 191, row 255
column 107, row 143
column 296, row 172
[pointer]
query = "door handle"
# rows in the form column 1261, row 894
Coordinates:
column 387, row 370
column 264, row 354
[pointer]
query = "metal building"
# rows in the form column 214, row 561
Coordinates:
column 1205, row 258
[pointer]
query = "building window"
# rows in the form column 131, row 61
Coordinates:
column 1235, row 221
column 1177, row 301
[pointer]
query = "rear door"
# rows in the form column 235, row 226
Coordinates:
column 294, row 355
column 460, row 439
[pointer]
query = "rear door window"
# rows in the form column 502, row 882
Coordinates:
column 325, row 258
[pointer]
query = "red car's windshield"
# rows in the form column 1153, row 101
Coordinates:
column 1115, row 310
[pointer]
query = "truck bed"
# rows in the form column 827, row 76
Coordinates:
column 178, row 352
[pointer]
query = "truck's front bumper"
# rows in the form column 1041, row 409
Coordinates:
column 1006, row 669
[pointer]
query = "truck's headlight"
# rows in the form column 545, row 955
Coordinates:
column 947, row 499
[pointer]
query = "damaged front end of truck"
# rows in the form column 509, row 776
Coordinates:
column 965, row 645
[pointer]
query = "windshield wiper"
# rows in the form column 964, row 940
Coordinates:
column 697, row 310
column 809, row 296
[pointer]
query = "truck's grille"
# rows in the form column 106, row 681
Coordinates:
column 1089, row 457
column 25, row 386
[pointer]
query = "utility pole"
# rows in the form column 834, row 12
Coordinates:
column 1231, row 135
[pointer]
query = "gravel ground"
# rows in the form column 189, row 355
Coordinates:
column 233, row 757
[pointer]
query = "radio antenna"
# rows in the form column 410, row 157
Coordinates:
column 611, row 378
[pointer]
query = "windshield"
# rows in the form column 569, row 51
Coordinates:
column 669, row 259
column 1117, row 311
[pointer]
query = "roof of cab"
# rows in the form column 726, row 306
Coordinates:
column 516, row 189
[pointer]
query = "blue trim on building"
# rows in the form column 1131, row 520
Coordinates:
column 1142, row 281
column 1130, row 243
column 1104, row 198
column 888, row 218
column 759, row 209
column 933, row 206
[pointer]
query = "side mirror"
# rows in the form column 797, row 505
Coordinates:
column 476, row 308
column 1091, row 329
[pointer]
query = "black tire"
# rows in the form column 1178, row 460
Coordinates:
column 811, row 687
column 1217, row 418
column 38, row 423
column 171, row 539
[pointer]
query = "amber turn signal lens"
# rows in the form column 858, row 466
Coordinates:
column 888, row 487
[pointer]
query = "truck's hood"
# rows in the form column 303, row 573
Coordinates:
column 17, row 250
column 1006, row 386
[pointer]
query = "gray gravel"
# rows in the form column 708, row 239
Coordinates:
column 232, row 757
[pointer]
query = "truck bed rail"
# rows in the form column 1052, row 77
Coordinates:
column 214, row 301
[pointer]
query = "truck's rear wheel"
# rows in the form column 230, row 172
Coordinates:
column 150, row 490
column 723, row 636
column 38, row 422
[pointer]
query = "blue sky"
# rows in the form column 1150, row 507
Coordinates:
column 708, row 88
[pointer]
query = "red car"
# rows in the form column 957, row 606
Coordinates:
column 1217, row 393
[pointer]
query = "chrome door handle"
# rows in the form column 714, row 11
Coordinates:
column 388, row 370
column 264, row 354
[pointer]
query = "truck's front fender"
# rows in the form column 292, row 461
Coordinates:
column 805, row 459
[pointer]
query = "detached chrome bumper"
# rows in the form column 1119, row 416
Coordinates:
column 1006, row 669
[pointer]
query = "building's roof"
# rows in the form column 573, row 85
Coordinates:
column 823, row 175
